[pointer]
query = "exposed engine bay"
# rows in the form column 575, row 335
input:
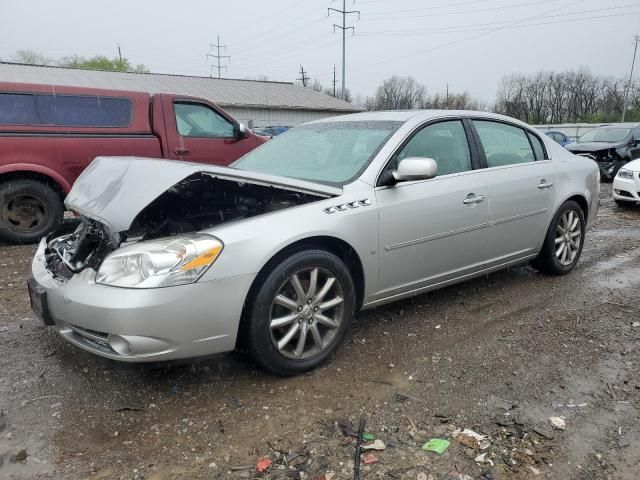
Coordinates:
column 198, row 202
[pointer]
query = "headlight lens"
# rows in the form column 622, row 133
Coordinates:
column 160, row 263
column 624, row 173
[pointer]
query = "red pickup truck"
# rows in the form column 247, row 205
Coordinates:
column 49, row 134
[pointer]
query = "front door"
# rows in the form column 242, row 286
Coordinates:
column 433, row 230
column 199, row 133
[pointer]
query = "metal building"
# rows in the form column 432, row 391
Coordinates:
column 253, row 102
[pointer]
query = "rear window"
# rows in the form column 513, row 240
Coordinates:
column 17, row 109
column 83, row 111
column 64, row 110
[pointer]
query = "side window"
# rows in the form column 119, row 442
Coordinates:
column 636, row 134
column 17, row 109
column 445, row 142
column 196, row 120
column 83, row 111
column 503, row 144
column 538, row 148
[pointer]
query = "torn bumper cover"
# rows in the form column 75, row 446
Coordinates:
column 141, row 325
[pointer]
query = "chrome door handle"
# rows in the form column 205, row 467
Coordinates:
column 473, row 198
column 544, row 184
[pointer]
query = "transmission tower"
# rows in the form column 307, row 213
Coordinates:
column 344, row 12
column 216, row 47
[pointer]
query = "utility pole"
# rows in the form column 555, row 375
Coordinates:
column 626, row 92
column 120, row 54
column 344, row 12
column 218, row 57
column 447, row 95
column 334, row 81
column 303, row 77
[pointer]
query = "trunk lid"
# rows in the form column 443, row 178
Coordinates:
column 113, row 190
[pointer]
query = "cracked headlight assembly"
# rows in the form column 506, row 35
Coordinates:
column 160, row 263
column 624, row 173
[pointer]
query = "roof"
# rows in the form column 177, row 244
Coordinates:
column 405, row 115
column 222, row 91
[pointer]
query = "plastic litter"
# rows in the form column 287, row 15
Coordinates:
column 482, row 459
column 368, row 437
column 263, row 464
column 437, row 445
column 376, row 445
column 370, row 459
column 472, row 439
column 557, row 422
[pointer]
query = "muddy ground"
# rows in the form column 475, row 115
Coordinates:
column 498, row 355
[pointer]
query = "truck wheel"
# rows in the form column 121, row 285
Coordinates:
column 301, row 312
column 29, row 209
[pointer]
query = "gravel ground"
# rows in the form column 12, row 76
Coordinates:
column 499, row 355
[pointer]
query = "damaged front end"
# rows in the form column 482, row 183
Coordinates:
column 200, row 201
column 609, row 162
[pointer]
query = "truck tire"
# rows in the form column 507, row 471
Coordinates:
column 29, row 209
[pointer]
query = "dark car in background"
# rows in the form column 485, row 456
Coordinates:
column 611, row 146
column 270, row 131
column 49, row 134
column 558, row 137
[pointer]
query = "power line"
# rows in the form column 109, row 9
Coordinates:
column 303, row 78
column 455, row 42
column 344, row 12
column 626, row 92
column 477, row 10
column 218, row 57
column 461, row 28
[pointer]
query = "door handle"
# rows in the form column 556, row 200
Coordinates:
column 181, row 151
column 545, row 184
column 472, row 199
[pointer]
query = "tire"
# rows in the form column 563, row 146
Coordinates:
column 300, row 315
column 29, row 209
column 622, row 203
column 548, row 261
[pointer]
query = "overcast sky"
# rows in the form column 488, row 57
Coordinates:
column 469, row 44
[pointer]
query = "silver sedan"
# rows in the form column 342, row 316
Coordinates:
column 279, row 251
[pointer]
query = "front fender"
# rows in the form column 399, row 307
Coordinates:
column 35, row 168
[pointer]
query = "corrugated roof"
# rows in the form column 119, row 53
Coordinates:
column 225, row 92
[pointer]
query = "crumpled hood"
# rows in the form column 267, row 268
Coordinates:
column 593, row 146
column 113, row 190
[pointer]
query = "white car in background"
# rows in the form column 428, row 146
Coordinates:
column 626, row 184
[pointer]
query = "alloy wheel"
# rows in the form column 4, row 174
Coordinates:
column 568, row 237
column 306, row 313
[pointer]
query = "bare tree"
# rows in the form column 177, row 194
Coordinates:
column 31, row 58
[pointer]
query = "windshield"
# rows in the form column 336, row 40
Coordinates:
column 331, row 152
column 607, row 135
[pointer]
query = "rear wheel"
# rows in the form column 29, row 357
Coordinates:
column 29, row 209
column 301, row 312
column 564, row 241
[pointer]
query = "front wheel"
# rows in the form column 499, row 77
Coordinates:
column 564, row 241
column 301, row 312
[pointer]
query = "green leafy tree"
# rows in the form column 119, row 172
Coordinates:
column 100, row 62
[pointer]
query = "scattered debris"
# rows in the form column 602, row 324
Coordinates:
column 571, row 405
column 369, row 459
column 368, row 437
column 458, row 476
column 482, row 459
column 263, row 464
column 4, row 329
column 557, row 422
column 635, row 324
column 534, row 470
column 19, row 456
column 437, row 445
column 472, row 439
column 544, row 431
column 376, row 445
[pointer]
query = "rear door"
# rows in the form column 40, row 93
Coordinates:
column 522, row 189
column 198, row 132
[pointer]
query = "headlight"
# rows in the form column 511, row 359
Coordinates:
column 623, row 173
column 160, row 263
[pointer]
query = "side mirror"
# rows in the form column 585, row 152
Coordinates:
column 241, row 131
column 415, row 168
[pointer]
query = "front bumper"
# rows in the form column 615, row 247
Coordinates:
column 143, row 325
column 627, row 189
